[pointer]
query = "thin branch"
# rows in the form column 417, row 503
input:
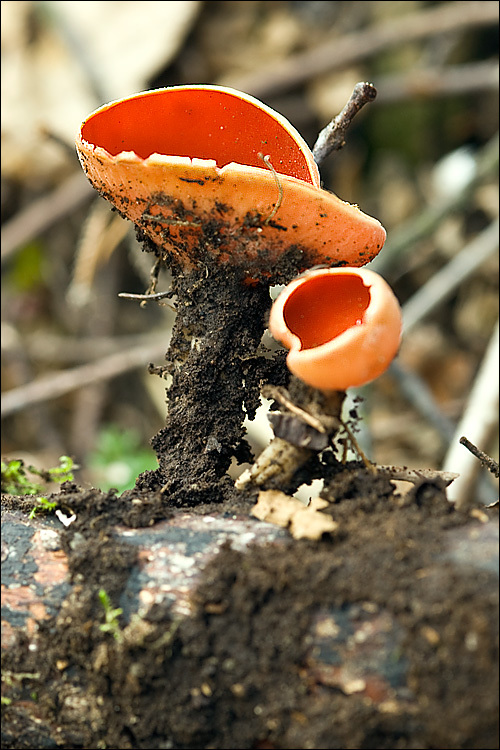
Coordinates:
column 444, row 80
column 69, row 33
column 444, row 282
column 53, row 348
column 486, row 460
column 44, row 212
column 419, row 395
column 478, row 422
column 332, row 137
column 281, row 396
column 404, row 474
column 147, row 297
column 58, row 384
column 102, row 233
column 402, row 241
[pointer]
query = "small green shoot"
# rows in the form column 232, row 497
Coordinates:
column 44, row 505
column 110, row 624
column 119, row 458
column 63, row 472
column 19, row 479
column 15, row 480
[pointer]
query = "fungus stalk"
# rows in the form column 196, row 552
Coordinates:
column 212, row 377
column 308, row 422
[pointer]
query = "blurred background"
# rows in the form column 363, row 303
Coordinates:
column 422, row 158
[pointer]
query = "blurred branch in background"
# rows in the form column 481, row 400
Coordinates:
column 440, row 81
column 357, row 46
column 57, row 384
column 478, row 422
column 50, row 14
column 443, row 283
column 402, row 241
column 37, row 217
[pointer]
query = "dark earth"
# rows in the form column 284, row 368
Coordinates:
column 380, row 634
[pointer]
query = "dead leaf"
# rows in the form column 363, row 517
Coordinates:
column 303, row 522
column 311, row 524
column 276, row 507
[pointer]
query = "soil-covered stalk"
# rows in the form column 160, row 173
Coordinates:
column 215, row 381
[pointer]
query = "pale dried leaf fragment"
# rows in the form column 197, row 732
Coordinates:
column 311, row 524
column 280, row 509
column 276, row 507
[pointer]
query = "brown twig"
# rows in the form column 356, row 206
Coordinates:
column 155, row 297
column 404, row 474
column 280, row 395
column 44, row 212
column 332, row 137
column 57, row 384
column 479, row 420
column 486, row 460
column 372, row 468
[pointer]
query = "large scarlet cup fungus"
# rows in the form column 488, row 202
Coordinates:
column 208, row 168
column 227, row 193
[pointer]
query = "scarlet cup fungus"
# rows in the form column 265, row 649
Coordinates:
column 226, row 193
column 209, row 169
column 341, row 325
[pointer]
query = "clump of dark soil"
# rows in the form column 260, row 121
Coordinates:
column 217, row 368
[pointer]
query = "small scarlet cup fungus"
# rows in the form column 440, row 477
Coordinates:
column 210, row 169
column 341, row 325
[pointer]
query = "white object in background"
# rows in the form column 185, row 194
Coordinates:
column 477, row 424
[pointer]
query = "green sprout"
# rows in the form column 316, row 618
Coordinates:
column 15, row 480
column 18, row 479
column 110, row 625
column 44, row 505
column 63, row 472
